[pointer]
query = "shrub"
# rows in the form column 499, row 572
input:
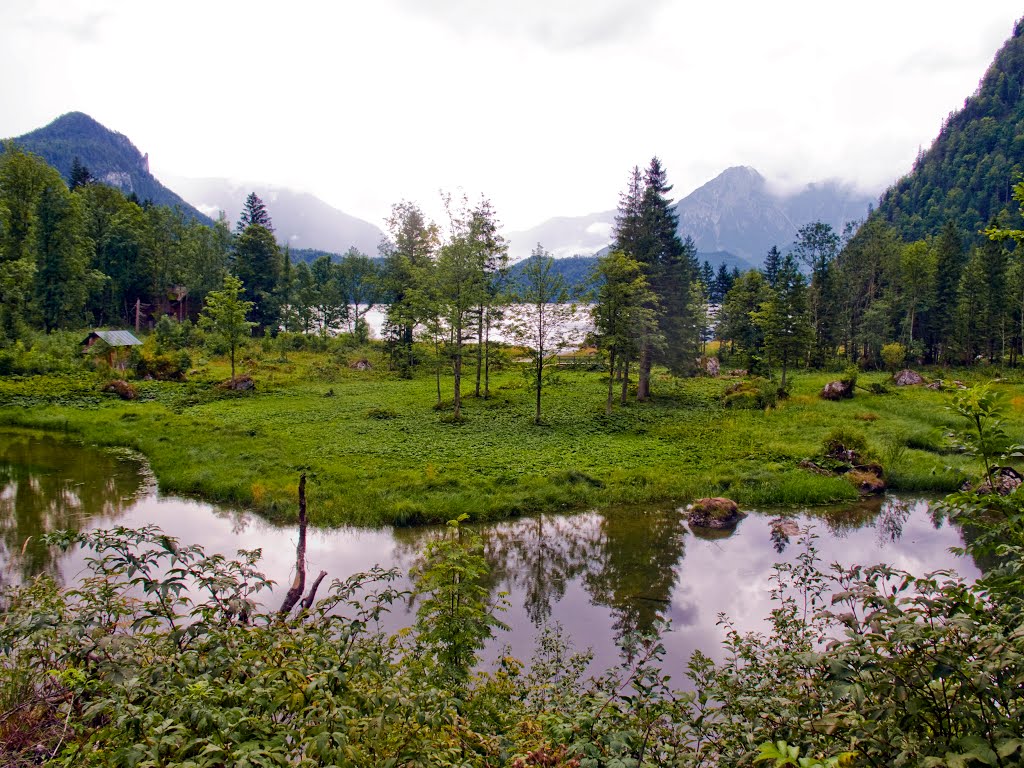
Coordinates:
column 894, row 355
column 754, row 392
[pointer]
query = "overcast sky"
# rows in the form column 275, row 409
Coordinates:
column 542, row 105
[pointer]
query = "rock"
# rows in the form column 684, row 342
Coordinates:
column 710, row 365
column 1006, row 481
column 737, row 373
column 866, row 481
column 121, row 388
column 907, row 378
column 714, row 512
column 837, row 390
column 239, row 384
column 361, row 365
column 785, row 527
column 936, row 385
column 810, row 466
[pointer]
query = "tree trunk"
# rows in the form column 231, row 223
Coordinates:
column 625, row 378
column 437, row 368
column 479, row 349
column 643, row 384
column 487, row 360
column 293, row 594
column 611, row 382
column 540, row 379
column 457, row 411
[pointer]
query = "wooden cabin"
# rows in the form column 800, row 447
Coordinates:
column 114, row 345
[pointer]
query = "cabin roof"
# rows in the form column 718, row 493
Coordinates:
column 115, row 338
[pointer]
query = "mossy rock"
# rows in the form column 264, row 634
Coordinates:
column 716, row 512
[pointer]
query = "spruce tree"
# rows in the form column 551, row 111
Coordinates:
column 950, row 260
column 254, row 212
column 772, row 264
column 646, row 231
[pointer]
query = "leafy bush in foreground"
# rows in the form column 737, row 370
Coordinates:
column 162, row 657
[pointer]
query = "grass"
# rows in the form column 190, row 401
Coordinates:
column 377, row 452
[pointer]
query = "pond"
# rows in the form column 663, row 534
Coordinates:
column 598, row 574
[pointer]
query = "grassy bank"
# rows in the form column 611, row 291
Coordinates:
column 378, row 452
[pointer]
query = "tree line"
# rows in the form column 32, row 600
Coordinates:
column 83, row 253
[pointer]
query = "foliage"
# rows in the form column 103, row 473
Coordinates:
column 225, row 316
column 455, row 615
column 543, row 321
column 894, row 355
column 962, row 177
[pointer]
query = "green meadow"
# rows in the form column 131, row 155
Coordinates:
column 378, row 451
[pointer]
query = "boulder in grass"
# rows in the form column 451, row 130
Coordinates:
column 837, row 390
column 361, row 365
column 715, row 512
column 239, row 384
column 866, row 481
column 710, row 365
column 121, row 388
column 907, row 378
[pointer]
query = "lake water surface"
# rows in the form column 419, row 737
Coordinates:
column 598, row 574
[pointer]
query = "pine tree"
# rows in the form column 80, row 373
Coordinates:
column 622, row 314
column 646, row 231
column 723, row 282
column 258, row 264
column 62, row 260
column 817, row 246
column 784, row 318
column 772, row 264
column 254, row 212
column 707, row 279
column 80, row 175
column 948, row 270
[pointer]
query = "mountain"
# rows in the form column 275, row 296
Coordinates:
column 733, row 219
column 738, row 213
column 300, row 219
column 564, row 236
column 967, row 174
column 110, row 157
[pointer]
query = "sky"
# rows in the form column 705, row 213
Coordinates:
column 543, row 106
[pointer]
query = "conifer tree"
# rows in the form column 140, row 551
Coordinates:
column 949, row 266
column 772, row 264
column 817, row 246
column 784, row 318
column 646, row 227
column 408, row 254
column 258, row 264
column 253, row 212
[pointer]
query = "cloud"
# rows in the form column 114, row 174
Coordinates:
column 82, row 24
column 560, row 25
column 600, row 228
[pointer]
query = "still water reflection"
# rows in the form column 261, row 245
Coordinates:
column 598, row 574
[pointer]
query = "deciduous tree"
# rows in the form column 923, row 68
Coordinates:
column 543, row 316
column 225, row 315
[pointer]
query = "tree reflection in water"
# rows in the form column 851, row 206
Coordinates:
column 45, row 486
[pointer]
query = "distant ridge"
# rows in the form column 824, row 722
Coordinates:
column 111, row 158
column 733, row 219
column 300, row 220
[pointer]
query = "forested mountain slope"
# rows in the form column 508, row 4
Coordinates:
column 967, row 175
column 110, row 157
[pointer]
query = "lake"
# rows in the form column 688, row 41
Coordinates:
column 598, row 574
